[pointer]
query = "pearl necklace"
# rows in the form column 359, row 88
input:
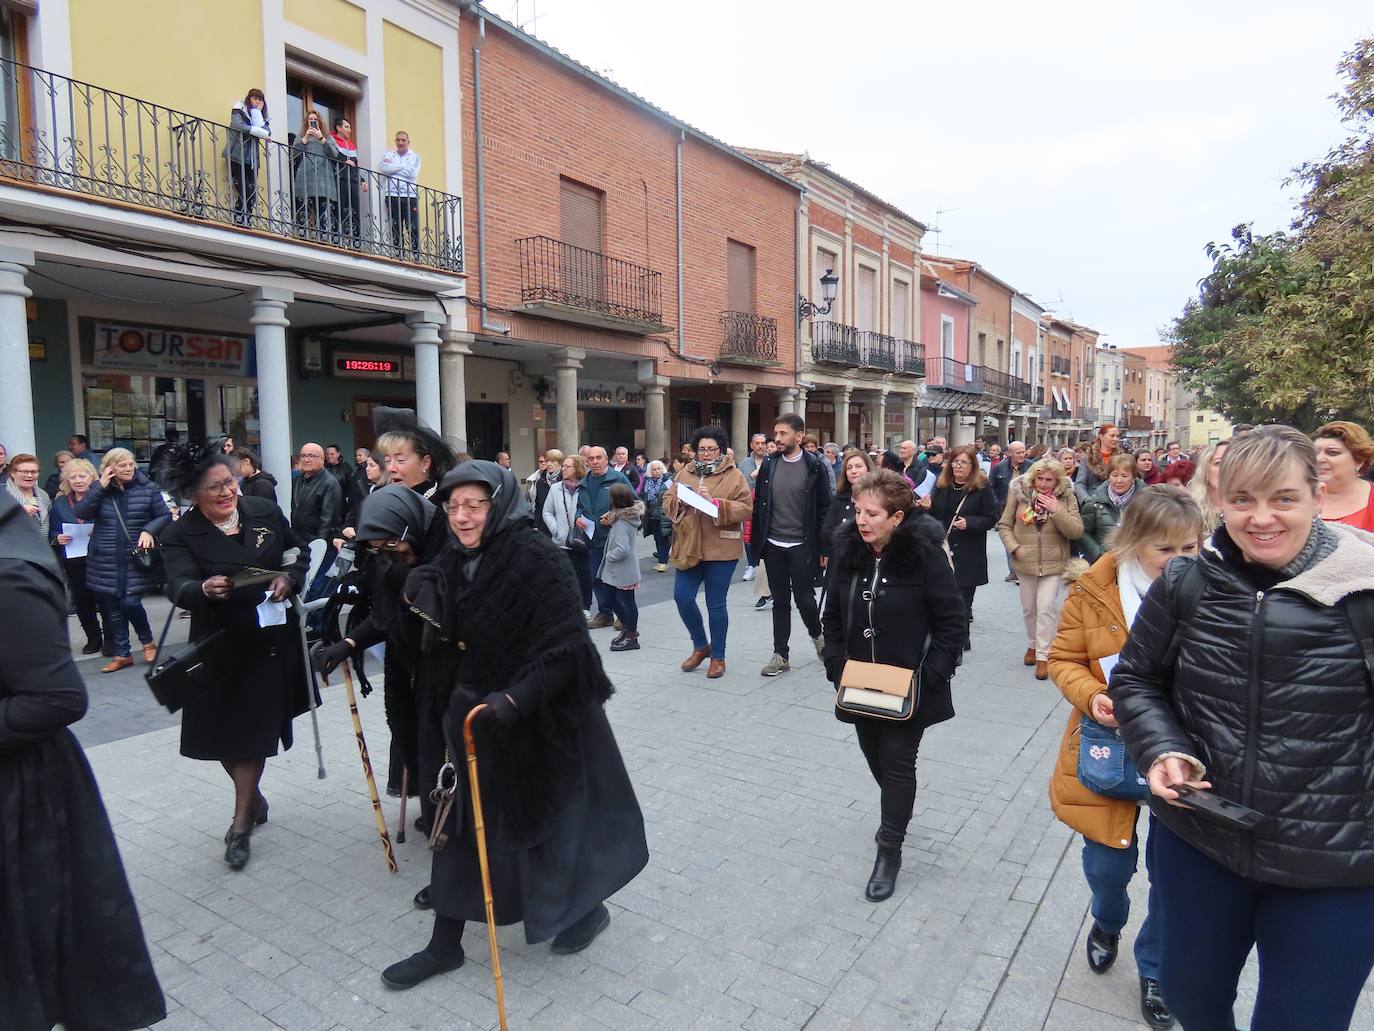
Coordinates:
column 229, row 525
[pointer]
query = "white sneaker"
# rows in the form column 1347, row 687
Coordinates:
column 750, row 573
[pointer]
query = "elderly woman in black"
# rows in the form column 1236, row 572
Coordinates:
column 963, row 504
column 71, row 947
column 1246, row 679
column 502, row 627
column 892, row 599
column 259, row 675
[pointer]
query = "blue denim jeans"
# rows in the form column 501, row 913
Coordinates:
column 663, row 540
column 119, row 613
column 1108, row 872
column 605, row 595
column 716, row 576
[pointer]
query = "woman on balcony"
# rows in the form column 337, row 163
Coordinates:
column 314, row 182
column 248, row 124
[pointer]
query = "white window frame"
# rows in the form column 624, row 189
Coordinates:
column 946, row 339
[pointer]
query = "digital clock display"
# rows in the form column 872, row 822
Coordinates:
column 356, row 365
column 368, row 365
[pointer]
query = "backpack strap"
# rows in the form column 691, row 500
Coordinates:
column 1187, row 594
column 1359, row 609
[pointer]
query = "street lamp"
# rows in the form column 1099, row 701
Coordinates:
column 807, row 310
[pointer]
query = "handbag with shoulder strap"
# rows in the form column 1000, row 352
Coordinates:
column 183, row 674
column 876, row 689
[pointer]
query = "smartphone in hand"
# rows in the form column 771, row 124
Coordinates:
column 1217, row 809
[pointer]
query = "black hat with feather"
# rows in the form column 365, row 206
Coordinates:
column 182, row 465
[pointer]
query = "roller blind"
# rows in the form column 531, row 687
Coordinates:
column 739, row 274
column 580, row 215
column 866, row 302
column 901, row 305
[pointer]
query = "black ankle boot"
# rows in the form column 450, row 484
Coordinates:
column 238, row 848
column 628, row 641
column 419, row 968
column 583, row 933
column 883, row 881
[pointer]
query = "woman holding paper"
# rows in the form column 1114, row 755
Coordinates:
column 70, row 536
column 1160, row 524
column 707, row 504
column 963, row 504
column 260, row 684
column 568, row 531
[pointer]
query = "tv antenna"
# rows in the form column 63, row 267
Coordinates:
column 935, row 229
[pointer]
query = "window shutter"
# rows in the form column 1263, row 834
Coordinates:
column 580, row 215
column 739, row 275
column 901, row 300
column 866, row 302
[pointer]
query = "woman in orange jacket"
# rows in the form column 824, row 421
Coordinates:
column 1159, row 525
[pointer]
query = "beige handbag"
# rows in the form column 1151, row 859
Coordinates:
column 876, row 689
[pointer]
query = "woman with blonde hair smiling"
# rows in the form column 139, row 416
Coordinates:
column 1039, row 522
column 1203, row 485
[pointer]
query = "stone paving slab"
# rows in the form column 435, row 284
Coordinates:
column 760, row 815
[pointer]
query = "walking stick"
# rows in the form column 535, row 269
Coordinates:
column 405, row 794
column 481, row 828
column 309, row 687
column 367, row 767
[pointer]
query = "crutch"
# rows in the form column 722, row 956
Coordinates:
column 481, row 828
column 367, row 767
column 301, row 612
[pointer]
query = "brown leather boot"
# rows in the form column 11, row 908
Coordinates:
column 1042, row 671
column 1029, row 658
column 716, row 670
column 694, row 660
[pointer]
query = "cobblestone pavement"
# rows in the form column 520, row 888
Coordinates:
column 750, row 915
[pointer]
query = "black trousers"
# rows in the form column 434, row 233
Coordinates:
column 967, row 594
column 87, row 604
column 890, row 748
column 790, row 575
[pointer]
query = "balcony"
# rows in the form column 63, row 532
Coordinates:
column 910, row 358
column 748, row 339
column 877, row 351
column 572, row 284
column 835, row 343
column 70, row 137
column 950, row 374
column 1005, row 385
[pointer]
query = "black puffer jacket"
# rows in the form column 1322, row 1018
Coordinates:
column 916, row 595
column 1270, row 691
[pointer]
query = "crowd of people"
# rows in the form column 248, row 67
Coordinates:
column 1208, row 615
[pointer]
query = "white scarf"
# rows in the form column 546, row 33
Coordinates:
column 1131, row 585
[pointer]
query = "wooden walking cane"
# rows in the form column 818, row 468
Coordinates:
column 481, row 828
column 367, row 767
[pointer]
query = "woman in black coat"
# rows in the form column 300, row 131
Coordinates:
column 841, row 513
column 254, row 483
column 889, row 601
column 71, row 946
column 964, row 506
column 1247, row 677
column 259, row 673
column 502, row 627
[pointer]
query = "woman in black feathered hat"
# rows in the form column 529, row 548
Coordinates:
column 259, row 679
column 413, row 453
column 503, row 626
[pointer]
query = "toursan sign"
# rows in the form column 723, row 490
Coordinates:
column 177, row 352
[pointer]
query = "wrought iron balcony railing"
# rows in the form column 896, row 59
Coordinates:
column 910, row 359
column 748, row 339
column 834, row 342
column 1004, row 384
column 877, row 351
column 62, row 134
column 951, row 374
column 558, row 272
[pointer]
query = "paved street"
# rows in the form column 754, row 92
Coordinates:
column 750, row 915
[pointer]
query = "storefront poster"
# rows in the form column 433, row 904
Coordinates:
column 175, row 352
column 101, row 432
column 123, row 427
column 140, row 426
column 99, row 401
column 157, row 428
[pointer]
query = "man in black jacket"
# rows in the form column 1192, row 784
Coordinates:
column 791, row 498
column 316, row 508
column 1001, row 476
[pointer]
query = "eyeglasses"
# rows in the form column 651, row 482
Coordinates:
column 703, row 450
column 389, row 545
column 26, row 472
column 223, row 487
column 471, row 507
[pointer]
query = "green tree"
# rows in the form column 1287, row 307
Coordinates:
column 1283, row 326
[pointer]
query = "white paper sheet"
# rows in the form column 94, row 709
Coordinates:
column 926, row 486
column 1108, row 663
column 271, row 613
column 80, row 534
column 586, row 526
column 687, row 494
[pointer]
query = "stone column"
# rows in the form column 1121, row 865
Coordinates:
column 880, row 420
column 912, row 418
column 656, row 416
column 424, row 337
column 739, row 417
column 17, row 431
column 1004, row 428
column 274, row 401
column 840, row 395
column 787, row 401
column 960, row 431
column 453, row 387
column 801, row 402
column 567, row 361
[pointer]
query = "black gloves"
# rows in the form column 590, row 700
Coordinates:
column 501, row 713
column 326, row 660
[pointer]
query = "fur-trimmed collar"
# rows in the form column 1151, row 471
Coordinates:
column 1348, row 570
column 911, row 546
column 633, row 515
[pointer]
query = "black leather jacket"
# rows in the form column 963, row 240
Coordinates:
column 1271, row 692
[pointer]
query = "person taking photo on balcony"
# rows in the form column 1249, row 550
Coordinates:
column 314, row 182
column 402, row 168
column 248, row 123
column 351, row 185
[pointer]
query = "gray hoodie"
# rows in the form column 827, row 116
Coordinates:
column 620, row 565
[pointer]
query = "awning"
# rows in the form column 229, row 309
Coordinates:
column 1067, row 403
column 1058, row 401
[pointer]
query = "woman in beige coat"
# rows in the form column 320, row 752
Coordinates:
column 1040, row 519
column 706, row 549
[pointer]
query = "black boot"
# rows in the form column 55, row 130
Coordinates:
column 1152, row 1007
column 1101, row 950
column 628, row 641
column 422, row 899
column 237, row 848
column 420, row 967
column 583, row 933
column 883, row 881
column 93, row 645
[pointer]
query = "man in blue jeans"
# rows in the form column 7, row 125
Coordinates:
column 593, row 502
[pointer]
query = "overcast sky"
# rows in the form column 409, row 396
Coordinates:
column 1084, row 152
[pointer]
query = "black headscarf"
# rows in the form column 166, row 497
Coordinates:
column 395, row 512
column 509, row 504
column 20, row 537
